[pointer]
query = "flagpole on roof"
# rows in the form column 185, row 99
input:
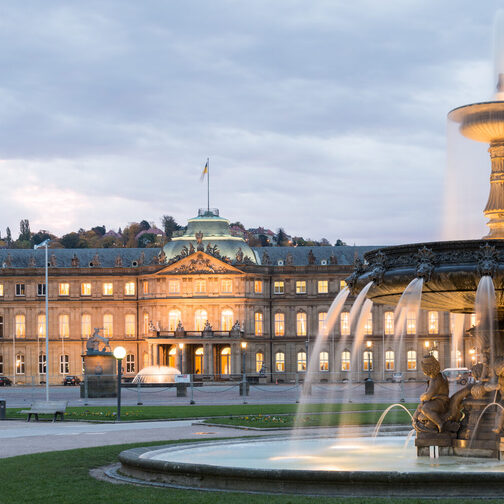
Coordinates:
column 208, row 184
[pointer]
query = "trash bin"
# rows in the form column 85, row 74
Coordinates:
column 3, row 409
column 368, row 386
column 244, row 388
column 181, row 389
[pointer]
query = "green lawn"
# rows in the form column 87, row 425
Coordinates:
column 63, row 477
column 107, row 413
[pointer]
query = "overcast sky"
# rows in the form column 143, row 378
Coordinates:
column 325, row 117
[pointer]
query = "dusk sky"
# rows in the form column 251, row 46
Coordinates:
column 325, row 117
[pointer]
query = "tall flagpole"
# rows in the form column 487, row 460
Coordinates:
column 208, row 184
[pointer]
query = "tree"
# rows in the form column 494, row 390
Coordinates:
column 144, row 225
column 8, row 238
column 339, row 243
column 24, row 230
column 146, row 239
column 169, row 226
column 72, row 240
column 282, row 239
column 99, row 230
column 40, row 236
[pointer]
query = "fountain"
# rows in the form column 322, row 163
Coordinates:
column 459, row 438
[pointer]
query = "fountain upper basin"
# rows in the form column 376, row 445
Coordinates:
column 451, row 272
column 483, row 122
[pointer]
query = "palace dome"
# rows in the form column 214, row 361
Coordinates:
column 211, row 233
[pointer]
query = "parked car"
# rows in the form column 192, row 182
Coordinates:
column 458, row 375
column 4, row 381
column 71, row 380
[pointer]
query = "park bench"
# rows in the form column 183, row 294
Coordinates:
column 54, row 408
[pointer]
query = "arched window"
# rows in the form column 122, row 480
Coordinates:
column 280, row 362
column 130, row 363
column 20, row 327
column 324, row 361
column 41, row 329
column 259, row 358
column 226, row 361
column 368, row 326
column 301, row 323
column 42, row 363
column 389, row 360
column 279, row 324
column 64, row 364
column 198, row 360
column 412, row 362
column 172, row 357
column 108, row 325
column 174, row 317
column 345, row 323
column 322, row 317
column 129, row 325
column 367, row 360
column 20, row 363
column 411, row 323
column 301, row 361
column 200, row 318
column 389, row 323
column 86, row 326
column 64, row 326
column 226, row 320
column 258, row 323
column 345, row 360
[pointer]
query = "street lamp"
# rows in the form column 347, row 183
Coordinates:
column 119, row 354
column 45, row 244
column 427, row 346
column 369, row 344
column 244, row 348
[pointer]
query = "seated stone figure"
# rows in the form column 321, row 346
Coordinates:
column 434, row 408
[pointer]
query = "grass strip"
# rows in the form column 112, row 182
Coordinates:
column 63, row 477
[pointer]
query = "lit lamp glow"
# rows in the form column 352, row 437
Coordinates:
column 119, row 353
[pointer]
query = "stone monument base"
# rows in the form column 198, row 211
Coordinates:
column 100, row 377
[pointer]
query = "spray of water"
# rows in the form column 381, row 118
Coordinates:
column 457, row 322
column 485, row 319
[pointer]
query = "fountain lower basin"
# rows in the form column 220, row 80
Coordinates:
column 315, row 466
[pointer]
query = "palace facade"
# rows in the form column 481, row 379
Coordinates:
column 192, row 304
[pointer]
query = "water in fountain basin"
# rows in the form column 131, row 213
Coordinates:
column 485, row 319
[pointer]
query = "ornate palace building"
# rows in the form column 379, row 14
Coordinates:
column 193, row 303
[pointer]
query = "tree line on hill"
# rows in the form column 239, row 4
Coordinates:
column 145, row 234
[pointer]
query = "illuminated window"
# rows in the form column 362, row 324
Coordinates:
column 473, row 319
column 433, row 318
column 20, row 326
column 412, row 360
column 172, row 357
column 323, row 286
column 85, row 326
column 200, row 318
column 198, row 360
column 41, row 326
column 1, row 290
column 200, row 286
column 64, row 364
column 145, row 287
column 367, row 360
column 20, row 364
column 108, row 325
column 411, row 323
column 368, row 326
column 279, row 324
column 108, row 289
column 278, row 287
column 259, row 359
column 301, row 323
column 322, row 317
column 130, row 363
column 345, row 361
column 146, row 323
column 129, row 325
column 64, row 289
column 301, row 361
column 389, row 323
column 174, row 317
column 226, row 361
column 174, row 287
column 389, row 360
column 300, row 287
column 20, row 289
column 41, row 289
column 64, row 326
column 342, row 284
column 345, row 323
column 42, row 363
column 280, row 362
column 129, row 288
column 227, row 286
column 324, row 361
column 258, row 286
column 85, row 289
column 258, row 323
column 227, row 320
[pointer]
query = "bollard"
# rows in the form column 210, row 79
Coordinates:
column 3, row 409
column 139, row 395
column 368, row 386
column 181, row 389
column 86, row 390
column 192, row 391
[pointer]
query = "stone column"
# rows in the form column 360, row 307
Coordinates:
column 211, row 368
column 235, row 358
